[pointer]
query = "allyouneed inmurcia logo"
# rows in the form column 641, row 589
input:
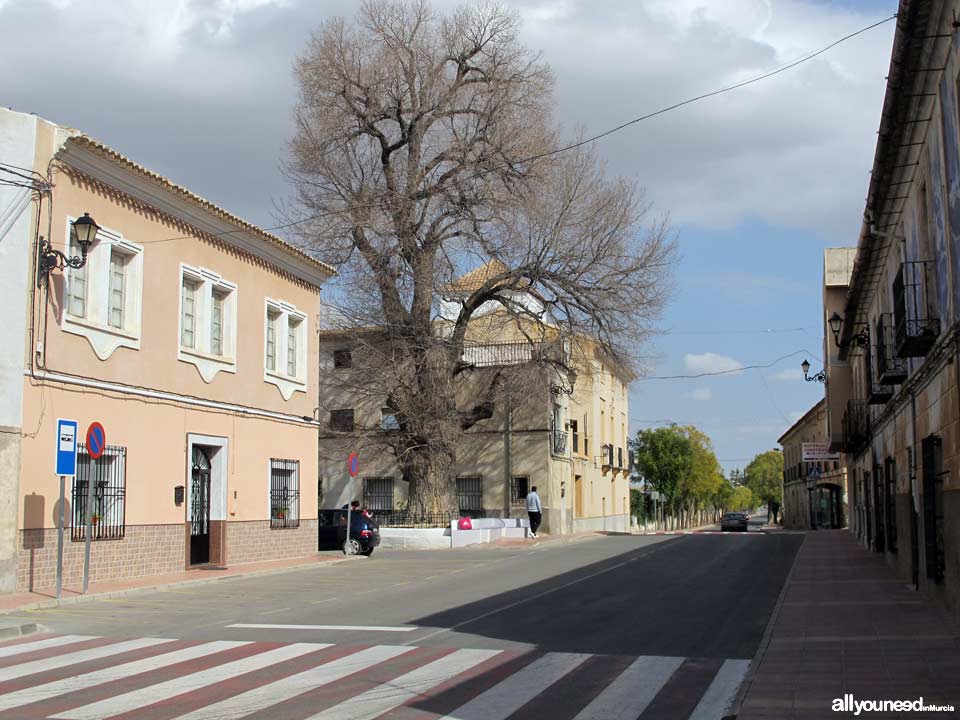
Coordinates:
column 849, row 704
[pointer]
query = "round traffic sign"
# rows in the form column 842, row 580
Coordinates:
column 96, row 440
column 353, row 464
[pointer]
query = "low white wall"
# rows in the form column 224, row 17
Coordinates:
column 610, row 523
column 415, row 538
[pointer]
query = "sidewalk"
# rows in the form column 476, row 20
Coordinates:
column 846, row 624
column 45, row 597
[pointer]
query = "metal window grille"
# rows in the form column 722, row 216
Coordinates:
column 188, row 311
column 519, row 487
column 470, row 494
column 378, row 493
column 118, row 276
column 108, row 473
column 284, row 493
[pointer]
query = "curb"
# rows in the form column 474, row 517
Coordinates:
column 764, row 641
column 8, row 631
column 53, row 603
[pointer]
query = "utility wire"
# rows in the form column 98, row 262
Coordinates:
column 757, row 366
column 581, row 143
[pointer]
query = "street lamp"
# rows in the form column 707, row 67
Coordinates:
column 860, row 339
column 819, row 377
column 84, row 229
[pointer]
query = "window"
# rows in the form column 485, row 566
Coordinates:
column 102, row 298
column 342, row 359
column 890, row 503
column 342, row 420
column 108, row 473
column 118, row 276
column 519, row 487
column 933, row 473
column 285, row 347
column 208, row 321
column 76, row 283
column 188, row 314
column 284, row 493
column 216, row 322
column 388, row 419
column 378, row 493
column 470, row 495
column 292, row 334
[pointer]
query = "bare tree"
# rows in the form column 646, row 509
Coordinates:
column 425, row 146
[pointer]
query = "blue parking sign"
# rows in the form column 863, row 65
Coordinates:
column 66, row 451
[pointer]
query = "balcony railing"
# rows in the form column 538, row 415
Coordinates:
column 879, row 394
column 558, row 442
column 512, row 353
column 856, row 426
column 891, row 370
column 916, row 326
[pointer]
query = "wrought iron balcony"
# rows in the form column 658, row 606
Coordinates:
column 512, row 353
column 916, row 325
column 891, row 369
column 856, row 426
column 879, row 394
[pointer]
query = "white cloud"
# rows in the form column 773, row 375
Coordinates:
column 709, row 362
column 787, row 375
column 701, row 394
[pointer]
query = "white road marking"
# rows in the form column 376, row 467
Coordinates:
column 265, row 696
column 44, row 644
column 137, row 699
column 117, row 672
column 350, row 628
column 715, row 701
column 389, row 695
column 59, row 661
column 632, row 691
column 508, row 696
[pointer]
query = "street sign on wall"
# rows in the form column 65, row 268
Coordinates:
column 66, row 450
column 96, row 440
column 353, row 464
column 817, row 451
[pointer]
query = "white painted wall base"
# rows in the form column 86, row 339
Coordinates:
column 415, row 538
column 609, row 523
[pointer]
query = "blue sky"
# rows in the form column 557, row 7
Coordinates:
column 756, row 182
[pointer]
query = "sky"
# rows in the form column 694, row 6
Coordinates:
column 756, row 182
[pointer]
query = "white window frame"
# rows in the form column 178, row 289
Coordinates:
column 285, row 312
column 201, row 354
column 95, row 325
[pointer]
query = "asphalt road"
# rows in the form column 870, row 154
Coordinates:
column 703, row 596
column 605, row 628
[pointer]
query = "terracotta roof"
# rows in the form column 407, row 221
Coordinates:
column 216, row 210
column 476, row 278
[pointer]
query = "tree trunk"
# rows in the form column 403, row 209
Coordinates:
column 430, row 472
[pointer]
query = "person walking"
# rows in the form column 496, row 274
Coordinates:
column 534, row 510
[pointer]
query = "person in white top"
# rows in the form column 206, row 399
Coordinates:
column 534, row 510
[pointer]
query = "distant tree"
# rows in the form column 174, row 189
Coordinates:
column 664, row 457
column 764, row 477
column 741, row 498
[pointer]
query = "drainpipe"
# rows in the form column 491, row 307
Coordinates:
column 507, row 453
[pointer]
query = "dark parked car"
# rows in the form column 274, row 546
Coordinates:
column 734, row 521
column 331, row 534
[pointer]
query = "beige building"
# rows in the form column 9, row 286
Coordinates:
column 188, row 333
column 566, row 433
column 891, row 336
column 814, row 482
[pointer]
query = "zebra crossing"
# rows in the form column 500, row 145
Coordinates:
column 85, row 677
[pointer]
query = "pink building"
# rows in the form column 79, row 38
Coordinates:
column 188, row 333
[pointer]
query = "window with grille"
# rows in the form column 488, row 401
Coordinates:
column 519, row 487
column 108, row 475
column 378, row 493
column 470, row 493
column 284, row 493
column 342, row 420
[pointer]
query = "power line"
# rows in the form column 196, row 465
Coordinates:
column 758, row 366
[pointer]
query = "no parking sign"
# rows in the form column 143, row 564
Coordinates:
column 96, row 440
